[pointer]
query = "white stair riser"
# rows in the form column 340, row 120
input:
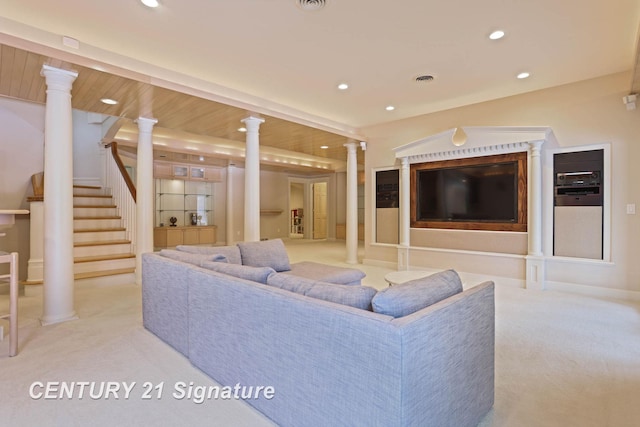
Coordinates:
column 83, row 224
column 90, row 191
column 97, row 211
column 115, row 264
column 99, row 236
column 92, row 201
column 84, row 251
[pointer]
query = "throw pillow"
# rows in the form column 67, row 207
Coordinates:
column 354, row 296
column 406, row 298
column 265, row 253
column 255, row 274
column 232, row 253
column 190, row 258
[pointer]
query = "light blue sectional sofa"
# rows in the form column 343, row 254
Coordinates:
column 429, row 361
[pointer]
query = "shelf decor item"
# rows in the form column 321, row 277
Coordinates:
column 173, row 221
column 194, row 218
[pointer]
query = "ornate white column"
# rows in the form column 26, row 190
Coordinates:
column 144, row 192
column 405, row 214
column 229, row 211
column 352, row 203
column 252, row 180
column 58, row 304
column 535, row 260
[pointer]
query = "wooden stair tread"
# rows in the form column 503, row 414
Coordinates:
column 98, row 230
column 102, row 243
column 92, row 187
column 103, row 257
column 102, row 196
column 103, row 273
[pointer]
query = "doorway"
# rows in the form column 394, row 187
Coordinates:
column 296, row 210
column 319, row 210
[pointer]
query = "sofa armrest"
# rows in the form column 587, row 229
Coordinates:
column 165, row 309
column 448, row 359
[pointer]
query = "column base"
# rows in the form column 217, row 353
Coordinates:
column 46, row 321
column 403, row 257
column 536, row 274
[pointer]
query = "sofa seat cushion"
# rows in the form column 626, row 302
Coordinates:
column 409, row 297
column 326, row 273
column 232, row 253
column 354, row 296
column 265, row 253
column 192, row 258
column 255, row 274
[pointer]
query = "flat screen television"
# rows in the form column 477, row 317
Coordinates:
column 472, row 193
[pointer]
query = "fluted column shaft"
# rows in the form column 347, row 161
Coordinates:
column 144, row 192
column 352, row 203
column 58, row 296
column 252, row 180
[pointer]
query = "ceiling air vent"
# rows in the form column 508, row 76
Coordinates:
column 424, row 78
column 310, row 4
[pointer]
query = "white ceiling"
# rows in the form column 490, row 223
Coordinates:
column 271, row 56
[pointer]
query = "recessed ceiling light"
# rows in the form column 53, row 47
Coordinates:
column 150, row 3
column 496, row 35
column 310, row 5
column 201, row 158
column 109, row 101
column 523, row 75
column 242, row 129
column 389, row 108
column 343, row 86
column 324, row 147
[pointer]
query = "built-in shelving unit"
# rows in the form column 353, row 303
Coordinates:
column 190, row 202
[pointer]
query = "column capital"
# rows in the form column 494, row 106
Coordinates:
column 351, row 147
column 57, row 78
column 252, row 123
column 536, row 146
column 404, row 161
column 146, row 124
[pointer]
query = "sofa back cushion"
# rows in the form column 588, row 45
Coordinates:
column 265, row 253
column 255, row 274
column 406, row 298
column 232, row 253
column 192, row 258
column 354, row 296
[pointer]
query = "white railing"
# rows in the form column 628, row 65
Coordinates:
column 122, row 191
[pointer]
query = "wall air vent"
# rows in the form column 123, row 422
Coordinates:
column 310, row 4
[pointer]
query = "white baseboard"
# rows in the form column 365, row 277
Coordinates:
column 594, row 291
column 378, row 263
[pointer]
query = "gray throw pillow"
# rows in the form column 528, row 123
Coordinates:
column 232, row 253
column 406, row 298
column 354, row 296
column 255, row 274
column 190, row 258
column 265, row 253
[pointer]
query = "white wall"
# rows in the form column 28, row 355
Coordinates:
column 21, row 155
column 88, row 163
column 584, row 113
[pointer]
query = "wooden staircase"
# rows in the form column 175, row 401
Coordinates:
column 100, row 245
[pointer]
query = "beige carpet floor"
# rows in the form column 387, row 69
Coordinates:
column 561, row 360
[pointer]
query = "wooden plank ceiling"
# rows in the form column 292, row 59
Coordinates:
column 20, row 78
